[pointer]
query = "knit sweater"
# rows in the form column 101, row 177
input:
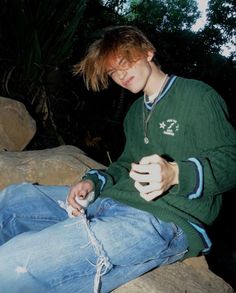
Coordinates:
column 189, row 125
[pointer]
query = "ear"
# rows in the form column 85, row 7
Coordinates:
column 150, row 55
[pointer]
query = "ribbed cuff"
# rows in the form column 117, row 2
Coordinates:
column 188, row 179
column 96, row 181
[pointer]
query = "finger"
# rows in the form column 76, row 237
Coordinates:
column 154, row 168
column 77, row 212
column 138, row 186
column 71, row 199
column 151, row 196
column 139, row 177
column 82, row 194
column 154, row 175
column 139, row 168
column 148, row 188
column 145, row 196
column 151, row 159
column 151, row 187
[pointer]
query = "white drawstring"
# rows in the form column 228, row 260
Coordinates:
column 103, row 264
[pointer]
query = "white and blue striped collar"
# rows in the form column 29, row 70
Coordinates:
column 167, row 87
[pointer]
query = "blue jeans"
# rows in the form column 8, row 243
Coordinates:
column 43, row 250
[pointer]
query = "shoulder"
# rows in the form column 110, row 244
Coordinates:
column 193, row 85
column 200, row 100
column 199, row 92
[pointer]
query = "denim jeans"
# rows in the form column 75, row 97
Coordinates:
column 43, row 250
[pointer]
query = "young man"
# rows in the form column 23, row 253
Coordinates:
column 149, row 208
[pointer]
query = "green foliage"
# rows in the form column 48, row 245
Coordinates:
column 116, row 5
column 222, row 15
column 221, row 18
column 38, row 37
column 168, row 15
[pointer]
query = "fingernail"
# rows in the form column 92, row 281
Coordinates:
column 82, row 211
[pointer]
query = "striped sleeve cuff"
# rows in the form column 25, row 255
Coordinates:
column 199, row 182
column 99, row 175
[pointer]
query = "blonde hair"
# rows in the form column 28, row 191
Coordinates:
column 123, row 41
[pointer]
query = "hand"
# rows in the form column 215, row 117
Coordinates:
column 153, row 176
column 81, row 191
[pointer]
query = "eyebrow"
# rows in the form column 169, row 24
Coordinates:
column 119, row 63
column 121, row 60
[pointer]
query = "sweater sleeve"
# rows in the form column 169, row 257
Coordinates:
column 213, row 169
column 115, row 172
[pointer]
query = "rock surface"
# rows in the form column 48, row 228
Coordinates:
column 63, row 165
column 16, row 125
column 189, row 276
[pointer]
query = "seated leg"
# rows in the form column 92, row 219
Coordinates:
column 28, row 207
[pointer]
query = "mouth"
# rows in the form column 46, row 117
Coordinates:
column 127, row 81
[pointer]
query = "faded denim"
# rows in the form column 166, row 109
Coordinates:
column 43, row 250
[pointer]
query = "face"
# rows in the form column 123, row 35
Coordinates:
column 131, row 76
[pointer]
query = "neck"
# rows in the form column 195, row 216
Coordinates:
column 156, row 83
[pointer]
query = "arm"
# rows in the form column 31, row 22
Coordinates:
column 115, row 172
column 214, row 163
column 209, row 170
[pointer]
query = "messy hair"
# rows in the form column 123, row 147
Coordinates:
column 127, row 42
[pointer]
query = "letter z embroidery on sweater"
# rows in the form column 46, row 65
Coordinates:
column 170, row 126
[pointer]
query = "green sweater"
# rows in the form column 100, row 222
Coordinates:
column 189, row 125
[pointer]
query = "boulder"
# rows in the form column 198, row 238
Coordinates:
column 63, row 165
column 17, row 127
column 189, row 276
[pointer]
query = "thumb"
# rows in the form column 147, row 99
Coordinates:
column 151, row 159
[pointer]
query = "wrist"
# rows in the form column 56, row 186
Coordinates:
column 175, row 169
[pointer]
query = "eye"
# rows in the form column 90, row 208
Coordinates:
column 111, row 72
column 124, row 63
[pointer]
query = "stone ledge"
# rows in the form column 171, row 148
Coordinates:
column 189, row 276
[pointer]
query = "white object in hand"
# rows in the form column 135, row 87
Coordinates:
column 83, row 202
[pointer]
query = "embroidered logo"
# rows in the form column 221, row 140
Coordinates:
column 170, row 126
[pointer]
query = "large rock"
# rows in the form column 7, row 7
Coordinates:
column 189, row 276
column 63, row 165
column 17, row 127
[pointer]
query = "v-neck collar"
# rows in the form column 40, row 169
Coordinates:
column 166, row 88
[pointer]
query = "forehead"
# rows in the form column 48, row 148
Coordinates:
column 114, row 61
column 122, row 58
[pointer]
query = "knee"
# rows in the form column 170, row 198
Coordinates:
column 12, row 187
column 17, row 279
column 13, row 190
column 9, row 271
